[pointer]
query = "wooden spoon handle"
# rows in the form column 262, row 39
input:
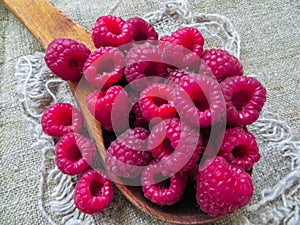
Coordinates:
column 46, row 22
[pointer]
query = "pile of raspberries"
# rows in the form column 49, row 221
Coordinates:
column 160, row 97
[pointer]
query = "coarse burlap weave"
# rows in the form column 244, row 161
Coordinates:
column 270, row 49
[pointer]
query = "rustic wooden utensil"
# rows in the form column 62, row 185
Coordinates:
column 46, row 23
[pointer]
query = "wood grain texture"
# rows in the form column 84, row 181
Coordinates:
column 46, row 23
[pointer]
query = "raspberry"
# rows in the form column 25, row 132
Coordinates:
column 239, row 147
column 222, row 188
column 61, row 118
column 93, row 192
column 110, row 107
column 111, row 31
column 104, row 67
column 160, row 189
column 144, row 61
column 127, row 155
column 245, row 97
column 142, row 30
column 65, row 58
column 198, row 98
column 74, row 153
column 184, row 47
column 177, row 145
column 222, row 64
column 156, row 101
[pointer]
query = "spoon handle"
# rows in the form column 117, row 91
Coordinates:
column 46, row 22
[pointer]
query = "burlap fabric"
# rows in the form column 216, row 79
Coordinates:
column 270, row 50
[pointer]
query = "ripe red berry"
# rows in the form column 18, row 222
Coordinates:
column 93, row 192
column 156, row 101
column 221, row 64
column 175, row 144
column 61, row 118
column 222, row 188
column 198, row 99
column 244, row 97
column 165, row 190
column 111, row 31
column 239, row 147
column 74, row 153
column 142, row 30
column 144, row 64
column 127, row 155
column 110, row 107
column 65, row 58
column 104, row 67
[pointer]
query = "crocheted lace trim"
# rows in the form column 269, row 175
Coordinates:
column 38, row 88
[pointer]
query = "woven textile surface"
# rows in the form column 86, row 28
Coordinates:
column 266, row 37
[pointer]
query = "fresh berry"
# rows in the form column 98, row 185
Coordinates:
column 161, row 189
column 74, row 153
column 198, row 98
column 127, row 155
column 142, row 30
column 156, row 101
column 65, row 58
column 222, row 188
column 177, row 145
column 110, row 107
column 61, row 118
column 184, row 47
column 104, row 67
column 245, row 97
column 144, row 65
column 93, row 192
column 222, row 64
column 239, row 147
column 111, row 31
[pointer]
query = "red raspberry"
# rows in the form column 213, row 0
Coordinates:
column 74, row 153
column 111, row 31
column 239, row 147
column 222, row 188
column 93, row 192
column 144, row 61
column 65, row 58
column 127, row 155
column 142, row 30
column 156, row 101
column 222, row 64
column 245, row 97
column 160, row 189
column 198, row 98
column 110, row 107
column 104, row 67
column 184, row 47
column 61, row 118
column 177, row 145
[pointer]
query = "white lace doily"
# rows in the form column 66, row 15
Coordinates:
column 38, row 88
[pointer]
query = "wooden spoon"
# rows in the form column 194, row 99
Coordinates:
column 46, row 23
